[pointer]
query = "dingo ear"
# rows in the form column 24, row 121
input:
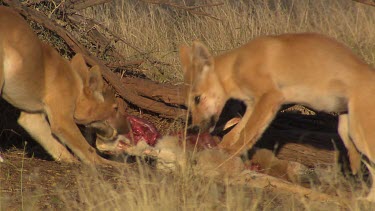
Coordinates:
column 95, row 80
column 78, row 64
column 185, row 56
column 202, row 57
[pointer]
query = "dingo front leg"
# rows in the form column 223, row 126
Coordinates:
column 68, row 133
column 232, row 136
column 39, row 129
column 264, row 111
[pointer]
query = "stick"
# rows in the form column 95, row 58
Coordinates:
column 263, row 181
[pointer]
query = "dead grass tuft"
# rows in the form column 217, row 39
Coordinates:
column 158, row 31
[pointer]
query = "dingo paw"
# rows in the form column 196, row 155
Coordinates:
column 229, row 140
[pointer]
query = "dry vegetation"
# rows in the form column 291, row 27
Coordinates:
column 157, row 31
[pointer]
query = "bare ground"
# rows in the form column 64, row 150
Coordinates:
column 30, row 180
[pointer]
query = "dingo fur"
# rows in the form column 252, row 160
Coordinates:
column 52, row 94
column 307, row 68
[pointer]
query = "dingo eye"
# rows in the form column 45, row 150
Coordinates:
column 197, row 99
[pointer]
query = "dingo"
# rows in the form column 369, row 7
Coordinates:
column 37, row 80
column 269, row 71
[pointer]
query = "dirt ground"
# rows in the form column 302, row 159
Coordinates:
column 30, row 183
column 36, row 174
column 30, row 180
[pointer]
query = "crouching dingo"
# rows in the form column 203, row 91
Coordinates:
column 269, row 71
column 52, row 93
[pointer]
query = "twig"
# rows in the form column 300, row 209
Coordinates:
column 124, row 64
column 117, row 37
column 80, row 5
column 56, row 7
column 263, row 181
column 21, row 174
column 368, row 2
column 32, row 2
column 189, row 9
column 94, row 36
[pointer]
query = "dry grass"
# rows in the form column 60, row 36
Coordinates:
column 52, row 186
column 158, row 31
column 147, row 189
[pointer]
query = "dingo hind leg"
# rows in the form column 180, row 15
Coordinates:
column 361, row 129
column 1, row 82
column 362, row 124
column 353, row 154
column 371, row 195
column 1, row 71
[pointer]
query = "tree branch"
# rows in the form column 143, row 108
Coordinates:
column 368, row 2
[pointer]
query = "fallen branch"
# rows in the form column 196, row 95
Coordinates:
column 266, row 182
column 304, row 138
column 167, row 93
column 368, row 2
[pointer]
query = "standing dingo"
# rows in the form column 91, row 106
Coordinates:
column 308, row 69
column 52, row 93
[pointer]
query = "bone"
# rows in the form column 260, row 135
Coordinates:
column 232, row 122
column 104, row 131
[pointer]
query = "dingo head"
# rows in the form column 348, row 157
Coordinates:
column 111, row 133
column 95, row 102
column 204, row 94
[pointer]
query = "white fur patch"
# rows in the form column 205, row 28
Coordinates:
column 99, row 96
column 212, row 103
column 204, row 72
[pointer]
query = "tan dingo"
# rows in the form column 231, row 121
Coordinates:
column 269, row 71
column 37, row 80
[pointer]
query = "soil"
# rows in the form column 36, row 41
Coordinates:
column 31, row 183
column 30, row 179
column 36, row 174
